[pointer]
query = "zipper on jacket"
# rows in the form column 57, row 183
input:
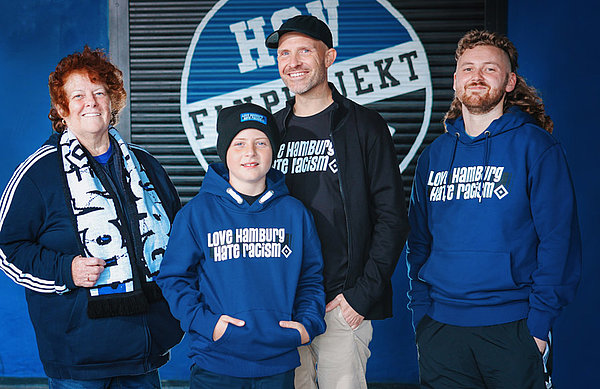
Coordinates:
column 344, row 205
column 335, row 128
column 148, row 342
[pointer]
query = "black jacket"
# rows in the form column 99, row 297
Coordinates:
column 373, row 198
column 37, row 244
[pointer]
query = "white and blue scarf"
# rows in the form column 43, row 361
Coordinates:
column 126, row 285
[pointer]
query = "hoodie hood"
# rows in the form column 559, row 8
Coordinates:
column 513, row 118
column 216, row 182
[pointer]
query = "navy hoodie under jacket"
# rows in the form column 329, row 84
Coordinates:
column 260, row 263
column 494, row 232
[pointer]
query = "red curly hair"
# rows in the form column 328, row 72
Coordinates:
column 99, row 70
column 523, row 96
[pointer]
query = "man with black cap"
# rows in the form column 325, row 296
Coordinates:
column 243, row 268
column 339, row 160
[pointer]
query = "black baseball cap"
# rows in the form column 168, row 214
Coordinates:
column 304, row 24
column 232, row 120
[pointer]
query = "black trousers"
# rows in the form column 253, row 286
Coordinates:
column 503, row 356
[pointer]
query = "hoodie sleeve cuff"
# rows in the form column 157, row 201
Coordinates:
column 313, row 329
column 539, row 324
column 204, row 323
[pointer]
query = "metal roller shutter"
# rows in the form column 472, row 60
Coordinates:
column 160, row 33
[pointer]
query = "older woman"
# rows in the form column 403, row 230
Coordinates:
column 84, row 223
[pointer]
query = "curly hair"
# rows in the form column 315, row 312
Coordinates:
column 99, row 70
column 523, row 96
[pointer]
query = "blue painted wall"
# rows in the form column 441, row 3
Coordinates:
column 556, row 55
column 558, row 46
column 36, row 34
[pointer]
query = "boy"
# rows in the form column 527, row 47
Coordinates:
column 243, row 269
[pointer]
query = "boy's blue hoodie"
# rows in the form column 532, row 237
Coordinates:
column 494, row 232
column 260, row 263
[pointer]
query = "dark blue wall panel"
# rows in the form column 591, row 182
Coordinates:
column 558, row 47
column 36, row 34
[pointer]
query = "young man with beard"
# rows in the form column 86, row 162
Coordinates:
column 348, row 177
column 494, row 252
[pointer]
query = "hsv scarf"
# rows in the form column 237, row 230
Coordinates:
column 133, row 252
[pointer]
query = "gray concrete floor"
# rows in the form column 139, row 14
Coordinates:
column 40, row 383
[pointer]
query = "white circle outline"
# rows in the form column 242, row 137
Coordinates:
column 386, row 4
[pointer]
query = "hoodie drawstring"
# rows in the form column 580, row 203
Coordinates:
column 238, row 199
column 266, row 196
column 457, row 135
column 486, row 156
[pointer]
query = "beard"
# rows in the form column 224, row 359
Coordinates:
column 304, row 86
column 478, row 104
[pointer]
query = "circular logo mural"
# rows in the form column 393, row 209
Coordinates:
column 379, row 57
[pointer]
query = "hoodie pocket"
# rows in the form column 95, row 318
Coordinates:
column 467, row 275
column 261, row 338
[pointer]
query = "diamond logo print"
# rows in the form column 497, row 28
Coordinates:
column 500, row 192
column 286, row 251
column 333, row 166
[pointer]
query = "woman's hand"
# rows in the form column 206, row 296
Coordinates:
column 86, row 270
column 304, row 338
column 222, row 324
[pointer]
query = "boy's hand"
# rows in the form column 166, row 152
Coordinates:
column 222, row 324
column 304, row 338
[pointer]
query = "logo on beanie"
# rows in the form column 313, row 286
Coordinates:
column 228, row 63
column 255, row 117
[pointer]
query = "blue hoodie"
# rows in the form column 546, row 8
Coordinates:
column 260, row 263
column 494, row 232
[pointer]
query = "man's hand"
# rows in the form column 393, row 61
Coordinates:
column 352, row 317
column 222, row 324
column 86, row 270
column 541, row 344
column 304, row 338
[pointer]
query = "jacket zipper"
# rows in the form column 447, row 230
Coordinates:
column 344, row 204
